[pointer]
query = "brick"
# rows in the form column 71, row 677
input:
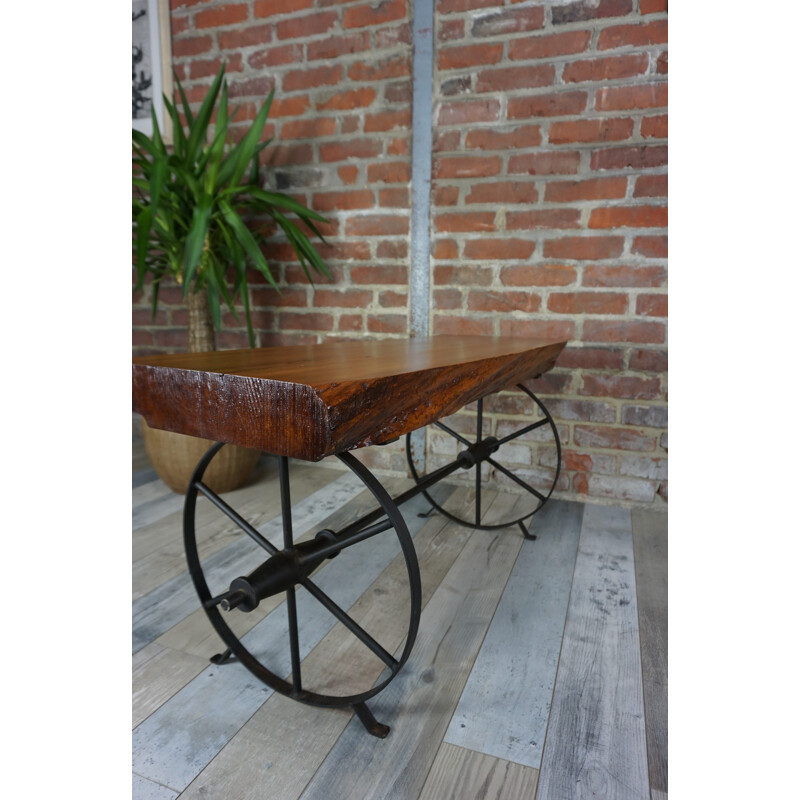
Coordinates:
column 260, row 87
column 629, row 217
column 286, row 298
column 351, row 322
column 584, row 247
column 465, row 222
column 582, row 410
column 633, row 35
column 498, row 249
column 619, row 331
column 466, row 111
column 346, row 101
column 651, row 186
column 648, row 360
column 558, row 104
column 387, row 323
column 590, row 130
column 221, row 15
column 353, row 148
column 336, row 46
column 288, row 154
column 587, row 303
column 556, row 162
column 309, row 25
column 623, row 275
column 374, row 13
column 650, row 246
column 461, row 84
column 379, row 275
column 398, row 146
column 305, row 322
column 507, row 193
column 507, row 78
column 538, row 329
column 391, row 37
column 560, row 44
column 203, row 68
column 490, row 139
column 377, row 225
column 450, row 29
column 310, row 78
column 529, row 275
column 393, row 299
column 593, row 189
column 275, row 56
column 391, row 172
column 392, row 249
column 445, row 248
column 190, row 46
column 651, row 305
column 445, row 195
column 606, row 69
column 623, row 98
column 628, row 388
column 614, row 438
column 543, row 218
column 337, row 201
column 466, row 167
column 461, row 276
column 290, row 106
column 387, row 121
column 643, row 467
column 268, row 8
column 640, row 157
column 394, row 198
column 645, row 416
column 655, row 127
column 591, row 358
column 450, row 6
column 507, row 21
column 652, row 6
column 503, row 301
column 348, row 173
column 471, row 55
column 308, row 128
column 399, row 92
column 662, row 64
column 626, row 489
column 448, row 299
column 244, row 37
column 590, row 9
column 460, row 326
column 394, row 67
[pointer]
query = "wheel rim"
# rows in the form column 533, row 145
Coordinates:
column 234, row 642
column 541, row 495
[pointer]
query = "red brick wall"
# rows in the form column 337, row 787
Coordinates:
column 548, row 207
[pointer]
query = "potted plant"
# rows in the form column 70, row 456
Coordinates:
column 193, row 212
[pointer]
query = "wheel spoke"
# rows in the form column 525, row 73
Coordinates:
column 478, row 438
column 453, row 433
column 294, row 640
column 514, row 478
column 350, row 623
column 241, row 522
column 522, row 431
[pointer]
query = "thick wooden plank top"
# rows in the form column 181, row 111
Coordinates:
column 310, row 401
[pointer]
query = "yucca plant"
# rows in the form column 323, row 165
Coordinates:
column 191, row 203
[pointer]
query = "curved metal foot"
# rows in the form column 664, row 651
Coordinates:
column 222, row 658
column 372, row 725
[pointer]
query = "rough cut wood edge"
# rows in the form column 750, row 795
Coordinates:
column 311, row 422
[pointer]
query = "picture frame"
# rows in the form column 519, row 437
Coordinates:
column 152, row 65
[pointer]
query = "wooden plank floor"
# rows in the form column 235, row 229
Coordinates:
column 530, row 678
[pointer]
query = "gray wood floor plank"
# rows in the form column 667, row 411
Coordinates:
column 650, row 557
column 175, row 743
column 143, row 476
column 419, row 702
column 655, row 794
column 595, row 744
column 459, row 774
column 159, row 610
column 144, row 789
column 505, row 705
column 260, row 761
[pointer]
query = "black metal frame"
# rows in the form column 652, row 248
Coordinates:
column 284, row 569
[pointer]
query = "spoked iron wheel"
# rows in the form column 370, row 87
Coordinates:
column 283, row 569
column 478, row 449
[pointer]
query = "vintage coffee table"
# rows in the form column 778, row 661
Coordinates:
column 312, row 401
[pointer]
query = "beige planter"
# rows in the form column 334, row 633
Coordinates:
column 175, row 456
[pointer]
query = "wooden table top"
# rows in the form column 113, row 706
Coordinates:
column 310, row 401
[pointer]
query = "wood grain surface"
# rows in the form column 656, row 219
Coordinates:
column 309, row 401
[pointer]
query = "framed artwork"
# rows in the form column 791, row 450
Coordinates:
column 152, row 65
